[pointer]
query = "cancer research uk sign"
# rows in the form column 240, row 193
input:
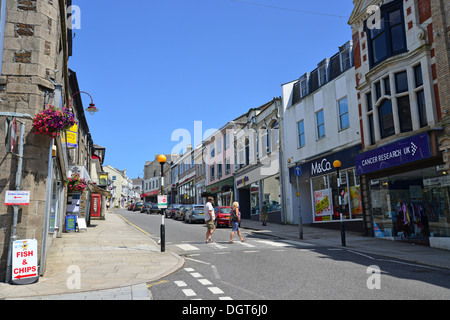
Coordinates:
column 394, row 154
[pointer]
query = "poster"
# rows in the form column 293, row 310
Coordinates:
column 322, row 203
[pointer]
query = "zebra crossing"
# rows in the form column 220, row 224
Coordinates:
column 252, row 245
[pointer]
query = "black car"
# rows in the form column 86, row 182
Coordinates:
column 195, row 213
column 171, row 209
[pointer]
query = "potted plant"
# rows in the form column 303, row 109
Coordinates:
column 52, row 121
column 75, row 183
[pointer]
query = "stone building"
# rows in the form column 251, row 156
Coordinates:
column 35, row 46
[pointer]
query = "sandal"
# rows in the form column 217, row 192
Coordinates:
column 243, row 240
column 231, row 241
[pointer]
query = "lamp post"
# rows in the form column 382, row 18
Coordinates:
column 337, row 164
column 162, row 160
column 91, row 109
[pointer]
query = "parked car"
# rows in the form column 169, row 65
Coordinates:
column 222, row 216
column 179, row 212
column 183, row 211
column 131, row 206
column 146, row 207
column 138, row 206
column 155, row 209
column 170, row 211
column 195, row 213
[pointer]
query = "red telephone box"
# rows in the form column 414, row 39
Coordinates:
column 96, row 201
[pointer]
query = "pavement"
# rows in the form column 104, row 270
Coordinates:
column 114, row 260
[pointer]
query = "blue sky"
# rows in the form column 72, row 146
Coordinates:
column 154, row 66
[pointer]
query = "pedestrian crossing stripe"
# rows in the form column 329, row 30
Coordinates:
column 217, row 246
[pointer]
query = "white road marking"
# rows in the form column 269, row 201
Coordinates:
column 196, row 275
column 225, row 298
column 205, row 282
column 187, row 247
column 273, row 243
column 215, row 290
column 181, row 283
column 189, row 292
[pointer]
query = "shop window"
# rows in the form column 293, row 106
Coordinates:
column 413, row 205
column 385, row 117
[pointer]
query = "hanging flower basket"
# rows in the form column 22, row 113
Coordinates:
column 52, row 121
column 75, row 183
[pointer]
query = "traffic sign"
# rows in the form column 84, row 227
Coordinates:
column 17, row 198
column 298, row 171
column 162, row 202
column 25, row 262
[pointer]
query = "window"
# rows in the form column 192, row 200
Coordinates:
column 320, row 122
column 418, row 75
column 304, row 84
column 227, row 166
column 212, row 150
column 371, row 130
column 343, row 114
column 388, row 38
column 219, row 145
column 369, row 101
column 346, row 54
column 211, row 173
column 219, row 170
column 401, row 82
column 227, row 140
column 323, row 71
column 387, row 86
column 385, row 117
column 421, row 106
column 301, row 133
column 377, row 90
column 247, row 152
column 404, row 113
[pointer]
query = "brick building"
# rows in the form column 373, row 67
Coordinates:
column 401, row 65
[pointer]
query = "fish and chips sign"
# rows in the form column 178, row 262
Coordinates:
column 25, row 262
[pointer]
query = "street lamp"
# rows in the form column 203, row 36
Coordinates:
column 337, row 164
column 91, row 109
column 162, row 160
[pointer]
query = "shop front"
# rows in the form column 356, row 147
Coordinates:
column 319, row 193
column 408, row 188
column 222, row 192
column 257, row 186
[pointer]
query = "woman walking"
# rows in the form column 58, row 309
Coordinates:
column 235, row 220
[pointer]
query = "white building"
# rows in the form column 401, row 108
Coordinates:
column 320, row 124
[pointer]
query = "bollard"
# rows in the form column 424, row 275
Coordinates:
column 163, row 235
column 342, row 232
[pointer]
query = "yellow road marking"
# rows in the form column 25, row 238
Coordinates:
column 143, row 231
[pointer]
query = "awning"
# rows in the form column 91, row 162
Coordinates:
column 151, row 193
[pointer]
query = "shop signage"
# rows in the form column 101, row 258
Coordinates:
column 324, row 165
column 404, row 151
column 242, row 181
column 17, row 198
column 24, row 261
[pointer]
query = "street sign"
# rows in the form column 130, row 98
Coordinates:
column 298, row 171
column 162, row 202
column 17, row 198
column 25, row 262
